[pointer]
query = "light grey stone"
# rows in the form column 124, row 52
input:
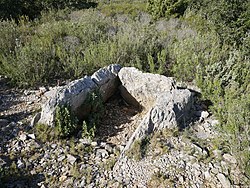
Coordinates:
column 32, row 136
column 71, row 159
column 75, row 93
column 35, row 119
column 101, row 153
column 20, row 163
column 223, row 180
column 144, row 87
column 53, row 146
column 2, row 162
column 229, row 158
column 169, row 111
column 94, row 144
column 107, row 80
column 23, row 136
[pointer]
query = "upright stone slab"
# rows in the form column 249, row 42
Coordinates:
column 75, row 93
column 167, row 106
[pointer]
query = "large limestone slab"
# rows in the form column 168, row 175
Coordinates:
column 75, row 93
column 170, row 111
column 144, row 87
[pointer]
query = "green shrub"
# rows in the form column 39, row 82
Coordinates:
column 127, row 8
column 66, row 123
column 14, row 9
column 67, row 49
column 90, row 125
column 160, row 8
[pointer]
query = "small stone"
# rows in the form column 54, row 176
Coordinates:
column 229, row 158
column 224, row 181
column 101, row 153
column 109, row 148
column 62, row 178
column 32, row 136
column 20, row 163
column 103, row 144
column 181, row 179
column 35, row 119
column 61, row 158
column 33, row 172
column 42, row 89
column 27, row 92
column 71, row 159
column 2, row 162
column 207, row 176
column 82, row 184
column 23, row 137
column 217, row 153
column 85, row 141
column 94, row 144
column 53, row 146
column 204, row 114
column 214, row 122
column 214, row 170
column 121, row 147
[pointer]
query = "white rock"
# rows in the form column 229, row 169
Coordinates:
column 32, row 136
column 20, row 163
column 62, row 178
column 101, row 153
column 35, row 119
column 71, row 159
column 61, row 158
column 207, row 176
column 94, row 144
column 144, row 87
column 23, row 136
column 53, row 146
column 204, row 114
column 75, row 93
column 229, row 158
column 224, row 181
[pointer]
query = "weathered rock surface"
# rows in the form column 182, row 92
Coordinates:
column 75, row 93
column 144, row 87
column 167, row 106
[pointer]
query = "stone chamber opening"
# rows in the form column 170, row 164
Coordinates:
column 119, row 120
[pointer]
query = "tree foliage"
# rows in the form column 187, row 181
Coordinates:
column 13, row 9
column 162, row 8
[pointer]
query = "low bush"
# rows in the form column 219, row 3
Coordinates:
column 43, row 53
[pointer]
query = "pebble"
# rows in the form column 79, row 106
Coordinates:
column 94, row 144
column 20, row 163
column 229, row 158
column 71, row 159
column 53, row 146
column 62, row 178
column 101, row 153
column 224, row 181
column 32, row 136
column 61, row 158
column 23, row 136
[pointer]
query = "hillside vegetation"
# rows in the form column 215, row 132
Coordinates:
column 204, row 42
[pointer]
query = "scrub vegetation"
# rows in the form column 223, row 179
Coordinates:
column 205, row 42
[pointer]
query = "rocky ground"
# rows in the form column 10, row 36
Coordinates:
column 181, row 158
